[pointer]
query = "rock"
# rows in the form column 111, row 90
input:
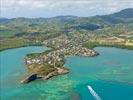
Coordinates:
column 59, row 71
column 32, row 77
column 62, row 70
column 50, row 75
column 29, row 78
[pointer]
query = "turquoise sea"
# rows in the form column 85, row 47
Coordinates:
column 108, row 76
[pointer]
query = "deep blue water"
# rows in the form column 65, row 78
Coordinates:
column 110, row 75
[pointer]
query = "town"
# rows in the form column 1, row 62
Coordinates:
column 55, row 58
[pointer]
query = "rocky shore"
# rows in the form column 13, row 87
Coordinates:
column 38, row 74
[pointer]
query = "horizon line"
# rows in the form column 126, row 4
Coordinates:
column 64, row 15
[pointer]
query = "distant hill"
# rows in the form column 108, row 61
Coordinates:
column 124, row 16
column 126, row 13
column 4, row 20
column 74, row 22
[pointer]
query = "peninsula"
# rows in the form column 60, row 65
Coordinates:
column 51, row 63
column 65, row 35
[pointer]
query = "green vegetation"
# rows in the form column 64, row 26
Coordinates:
column 43, row 69
column 20, row 32
column 15, row 43
column 33, row 55
column 97, row 44
column 65, row 35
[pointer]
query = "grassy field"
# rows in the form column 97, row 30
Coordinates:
column 13, row 43
column 16, row 43
column 94, row 44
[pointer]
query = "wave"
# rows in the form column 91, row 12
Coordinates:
column 94, row 94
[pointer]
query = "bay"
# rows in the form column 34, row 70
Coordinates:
column 109, row 75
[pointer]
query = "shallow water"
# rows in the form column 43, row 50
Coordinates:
column 109, row 74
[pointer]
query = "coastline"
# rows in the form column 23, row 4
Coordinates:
column 51, row 63
column 35, row 76
column 119, row 47
column 104, row 45
column 53, row 73
column 28, row 45
column 58, row 82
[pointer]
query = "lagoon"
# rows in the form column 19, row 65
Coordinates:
column 109, row 75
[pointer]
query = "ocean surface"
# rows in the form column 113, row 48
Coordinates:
column 108, row 76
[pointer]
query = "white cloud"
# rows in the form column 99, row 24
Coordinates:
column 65, row 4
column 108, row 6
column 48, row 4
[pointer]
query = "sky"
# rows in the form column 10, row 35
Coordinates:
column 51, row 8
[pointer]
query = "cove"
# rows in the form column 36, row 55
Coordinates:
column 109, row 74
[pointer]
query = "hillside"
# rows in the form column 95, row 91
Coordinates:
column 36, row 30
